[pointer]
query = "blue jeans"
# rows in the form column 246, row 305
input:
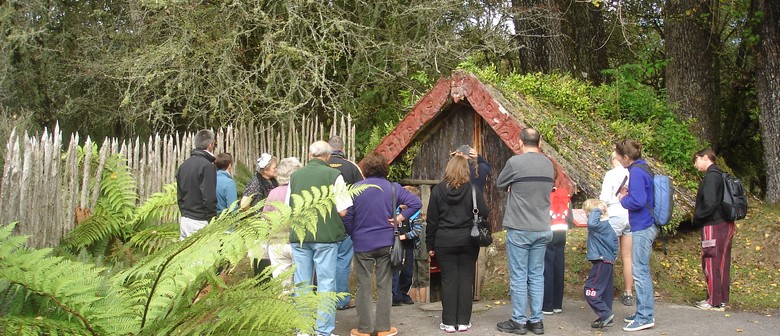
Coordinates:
column 322, row 256
column 525, row 255
column 344, row 266
column 640, row 268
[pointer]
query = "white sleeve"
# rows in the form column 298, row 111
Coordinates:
column 343, row 200
column 287, row 195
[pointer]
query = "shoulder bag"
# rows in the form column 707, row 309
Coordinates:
column 397, row 253
column 480, row 232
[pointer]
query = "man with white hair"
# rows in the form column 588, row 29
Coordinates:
column 319, row 252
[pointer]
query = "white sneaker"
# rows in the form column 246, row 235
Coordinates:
column 447, row 328
column 557, row 311
column 703, row 304
column 547, row 312
column 464, row 327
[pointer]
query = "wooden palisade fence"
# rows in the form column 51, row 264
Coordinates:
column 43, row 185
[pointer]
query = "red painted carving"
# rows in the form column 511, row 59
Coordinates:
column 459, row 86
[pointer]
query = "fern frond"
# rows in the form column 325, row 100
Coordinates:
column 162, row 206
column 119, row 187
column 77, row 289
column 154, row 238
column 37, row 325
column 248, row 309
column 114, row 209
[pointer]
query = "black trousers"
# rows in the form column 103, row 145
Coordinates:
column 402, row 280
column 457, row 273
column 554, row 262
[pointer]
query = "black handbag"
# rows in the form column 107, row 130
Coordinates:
column 397, row 252
column 480, row 232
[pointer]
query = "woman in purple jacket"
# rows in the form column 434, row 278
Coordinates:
column 638, row 200
column 369, row 221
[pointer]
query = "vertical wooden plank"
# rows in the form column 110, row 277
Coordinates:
column 11, row 187
column 72, row 165
column 103, row 155
column 86, row 172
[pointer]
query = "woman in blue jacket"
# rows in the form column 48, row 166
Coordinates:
column 636, row 199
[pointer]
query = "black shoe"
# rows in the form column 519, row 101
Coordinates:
column 408, row 300
column 535, row 327
column 396, row 303
column 603, row 323
column 511, row 327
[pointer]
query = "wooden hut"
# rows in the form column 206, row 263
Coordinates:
column 460, row 110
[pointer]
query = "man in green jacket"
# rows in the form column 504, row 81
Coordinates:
column 317, row 251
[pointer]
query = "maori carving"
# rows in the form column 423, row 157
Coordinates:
column 422, row 113
column 460, row 86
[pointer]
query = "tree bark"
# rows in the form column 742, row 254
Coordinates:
column 561, row 35
column 768, row 92
column 584, row 24
column 691, row 79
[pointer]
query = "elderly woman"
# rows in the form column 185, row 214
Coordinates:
column 261, row 183
column 255, row 191
column 369, row 221
column 279, row 250
column 448, row 237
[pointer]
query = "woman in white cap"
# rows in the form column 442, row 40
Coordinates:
column 263, row 181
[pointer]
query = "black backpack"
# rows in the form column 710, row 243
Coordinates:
column 734, row 205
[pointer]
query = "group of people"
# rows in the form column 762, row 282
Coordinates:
column 363, row 228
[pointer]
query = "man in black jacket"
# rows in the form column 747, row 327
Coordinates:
column 196, row 190
column 716, row 232
column 351, row 174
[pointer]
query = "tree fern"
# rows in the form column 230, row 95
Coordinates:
column 114, row 210
column 75, row 288
column 155, row 295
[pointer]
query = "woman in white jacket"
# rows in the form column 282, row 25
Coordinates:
column 614, row 179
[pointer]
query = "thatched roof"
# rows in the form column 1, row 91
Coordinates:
column 581, row 149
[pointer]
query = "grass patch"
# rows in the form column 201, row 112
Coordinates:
column 678, row 278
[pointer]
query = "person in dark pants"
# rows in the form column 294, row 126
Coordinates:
column 602, row 252
column 367, row 221
column 448, row 238
column 402, row 279
column 716, row 232
column 352, row 174
column 555, row 256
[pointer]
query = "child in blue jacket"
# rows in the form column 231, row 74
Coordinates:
column 602, row 251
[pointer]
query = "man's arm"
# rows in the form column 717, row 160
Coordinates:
column 506, row 176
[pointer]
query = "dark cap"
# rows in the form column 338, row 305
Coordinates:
column 462, row 149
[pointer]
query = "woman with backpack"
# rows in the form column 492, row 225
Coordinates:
column 716, row 232
column 636, row 197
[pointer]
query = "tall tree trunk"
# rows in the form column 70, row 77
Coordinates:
column 533, row 32
column 768, row 92
column 560, row 35
column 584, row 24
column 691, row 80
